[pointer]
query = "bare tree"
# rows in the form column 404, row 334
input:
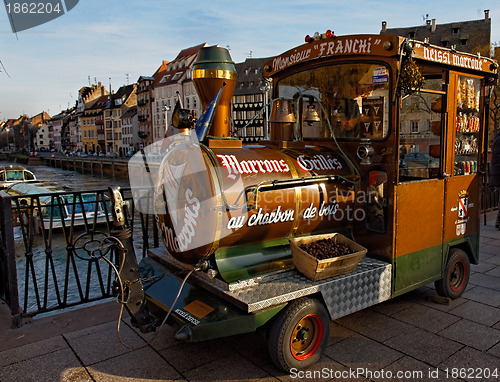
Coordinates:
column 494, row 122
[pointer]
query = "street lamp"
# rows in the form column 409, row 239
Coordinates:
column 265, row 90
column 167, row 108
column 13, row 136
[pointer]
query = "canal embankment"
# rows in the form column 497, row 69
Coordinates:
column 105, row 168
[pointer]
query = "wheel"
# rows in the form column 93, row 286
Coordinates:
column 299, row 334
column 456, row 275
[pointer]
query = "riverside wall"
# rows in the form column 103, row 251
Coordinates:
column 110, row 169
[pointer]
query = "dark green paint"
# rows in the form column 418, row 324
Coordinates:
column 246, row 261
column 416, row 267
column 470, row 244
column 419, row 268
column 224, row 320
column 214, row 58
column 244, row 323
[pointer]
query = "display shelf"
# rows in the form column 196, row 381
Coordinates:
column 467, row 125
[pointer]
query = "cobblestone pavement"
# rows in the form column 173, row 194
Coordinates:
column 409, row 338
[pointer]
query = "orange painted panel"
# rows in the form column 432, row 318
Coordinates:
column 419, row 215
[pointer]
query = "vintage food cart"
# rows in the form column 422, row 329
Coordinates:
column 378, row 138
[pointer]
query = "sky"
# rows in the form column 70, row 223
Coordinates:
column 116, row 41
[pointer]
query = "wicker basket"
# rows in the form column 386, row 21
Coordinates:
column 315, row 269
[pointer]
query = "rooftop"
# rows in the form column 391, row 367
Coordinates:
column 468, row 36
column 249, row 76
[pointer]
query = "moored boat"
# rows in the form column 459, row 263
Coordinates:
column 14, row 174
column 56, row 206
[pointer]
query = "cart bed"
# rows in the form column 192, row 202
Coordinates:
column 367, row 285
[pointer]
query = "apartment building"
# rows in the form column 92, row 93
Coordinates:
column 56, row 123
column 68, row 122
column 130, row 129
column 174, row 83
column 118, row 103
column 144, row 101
column 91, row 128
column 74, row 139
column 40, row 123
column 249, row 97
column 87, row 97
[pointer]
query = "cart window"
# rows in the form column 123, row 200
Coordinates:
column 352, row 100
column 421, row 119
column 376, row 207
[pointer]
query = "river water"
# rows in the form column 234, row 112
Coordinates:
column 71, row 178
column 65, row 268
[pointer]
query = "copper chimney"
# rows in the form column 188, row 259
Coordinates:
column 213, row 68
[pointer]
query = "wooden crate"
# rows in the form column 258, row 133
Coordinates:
column 315, row 269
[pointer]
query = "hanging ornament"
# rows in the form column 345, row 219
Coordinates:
column 410, row 78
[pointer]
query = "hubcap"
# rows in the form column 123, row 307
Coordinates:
column 306, row 337
column 457, row 276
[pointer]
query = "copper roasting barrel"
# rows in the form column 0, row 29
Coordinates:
column 208, row 199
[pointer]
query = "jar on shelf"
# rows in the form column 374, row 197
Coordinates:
column 459, row 95
column 471, row 97
column 459, row 122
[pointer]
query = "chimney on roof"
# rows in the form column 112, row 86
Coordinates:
column 433, row 26
column 384, row 26
column 428, row 23
column 486, row 15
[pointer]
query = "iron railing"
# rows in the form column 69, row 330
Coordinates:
column 490, row 199
column 46, row 241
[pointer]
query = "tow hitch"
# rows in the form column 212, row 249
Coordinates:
column 127, row 286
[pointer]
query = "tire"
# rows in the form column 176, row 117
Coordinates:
column 456, row 275
column 299, row 334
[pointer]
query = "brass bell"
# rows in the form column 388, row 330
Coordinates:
column 282, row 120
column 311, row 115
